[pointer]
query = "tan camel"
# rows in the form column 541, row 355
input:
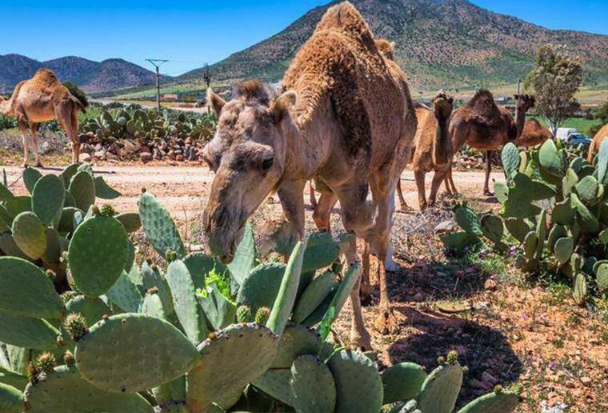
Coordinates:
column 41, row 99
column 346, row 120
column 484, row 126
column 532, row 133
column 597, row 142
column 432, row 148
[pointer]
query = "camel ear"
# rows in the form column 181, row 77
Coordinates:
column 280, row 107
column 215, row 102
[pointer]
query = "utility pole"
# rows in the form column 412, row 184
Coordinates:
column 157, row 63
column 207, row 75
column 518, row 85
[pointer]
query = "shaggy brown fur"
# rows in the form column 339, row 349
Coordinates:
column 432, row 148
column 346, row 120
column 597, row 142
column 533, row 134
column 41, row 99
column 386, row 48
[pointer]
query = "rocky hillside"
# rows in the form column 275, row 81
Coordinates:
column 89, row 75
column 439, row 43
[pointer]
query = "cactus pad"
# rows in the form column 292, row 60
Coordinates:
column 550, row 160
column 27, row 291
column 168, row 353
column 30, row 177
column 103, row 190
column 564, row 247
column 312, row 385
column 440, row 389
column 11, row 399
column 296, row 340
column 261, row 286
column 510, row 160
column 65, row 391
column 321, row 251
column 314, row 294
column 29, row 235
column 48, row 198
column 242, row 353
column 276, row 383
column 358, row 383
column 467, row 219
column 504, row 402
column 244, row 256
column 92, row 309
column 125, row 294
column 492, row 228
column 153, row 306
column 159, row 226
column 129, row 220
column 587, row 221
column 342, row 293
column 82, row 188
column 402, row 381
column 587, row 189
column 98, row 254
column 34, row 333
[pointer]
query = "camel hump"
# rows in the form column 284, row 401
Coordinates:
column 483, row 108
column 46, row 74
column 386, row 48
column 346, row 19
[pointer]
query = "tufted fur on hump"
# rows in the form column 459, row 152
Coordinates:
column 340, row 65
column 482, row 110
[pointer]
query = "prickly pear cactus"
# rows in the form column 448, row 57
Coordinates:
column 440, row 389
column 159, row 227
column 312, row 385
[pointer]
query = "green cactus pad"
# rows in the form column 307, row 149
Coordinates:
column 98, row 254
column 68, row 173
column 312, row 385
column 501, row 191
column 468, row 220
column 286, row 297
column 504, row 402
column 261, row 286
column 550, row 160
column 17, row 205
column 55, row 246
column 64, row 391
column 48, row 198
column 201, row 265
column 153, row 306
column 25, row 290
column 541, row 228
column 168, row 353
column 510, row 160
column 125, row 294
column 569, row 182
column 518, row 228
column 276, row 383
column 244, row 256
column 343, row 292
column 186, row 306
column 602, row 162
column 29, row 235
column 219, row 310
column 580, row 291
column 563, row 212
column 456, row 241
column 242, row 353
column 440, row 389
column 492, row 228
column 320, row 287
column 175, row 390
column 159, row 226
column 564, row 247
column 402, row 382
column 319, row 313
column 11, row 399
column 5, row 193
column 152, row 278
column 12, row 378
column 557, row 232
column 321, row 251
column 530, row 245
column 34, row 333
column 92, row 309
column 129, row 220
column 587, row 189
column 358, row 383
column 103, row 190
column 30, row 177
column 82, row 188
column 601, row 276
column 587, row 221
column 296, row 341
column 66, row 223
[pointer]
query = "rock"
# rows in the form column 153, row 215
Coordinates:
column 586, row 380
column 444, row 226
column 179, row 158
column 490, row 285
column 84, row 157
column 100, row 155
column 145, row 157
column 488, row 380
column 129, row 146
column 98, row 147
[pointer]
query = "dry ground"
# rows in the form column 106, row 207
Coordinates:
column 517, row 330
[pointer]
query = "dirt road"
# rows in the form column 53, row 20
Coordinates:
column 183, row 190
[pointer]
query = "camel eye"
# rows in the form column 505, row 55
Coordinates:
column 267, row 163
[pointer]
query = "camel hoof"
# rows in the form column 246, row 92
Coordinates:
column 39, row 165
column 361, row 341
column 386, row 323
column 24, row 164
column 487, row 192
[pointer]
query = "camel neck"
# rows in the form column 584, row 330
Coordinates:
column 520, row 120
column 442, row 129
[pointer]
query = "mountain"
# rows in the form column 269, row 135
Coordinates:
column 450, row 43
column 89, row 75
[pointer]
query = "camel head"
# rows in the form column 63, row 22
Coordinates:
column 443, row 105
column 524, row 102
column 247, row 155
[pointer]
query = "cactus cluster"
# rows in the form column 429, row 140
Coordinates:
column 555, row 209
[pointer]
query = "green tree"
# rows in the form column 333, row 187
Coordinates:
column 77, row 93
column 555, row 80
column 600, row 114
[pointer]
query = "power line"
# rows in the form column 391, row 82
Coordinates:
column 157, row 64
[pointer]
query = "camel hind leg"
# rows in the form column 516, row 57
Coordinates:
column 23, row 130
column 67, row 116
column 486, row 185
column 34, row 133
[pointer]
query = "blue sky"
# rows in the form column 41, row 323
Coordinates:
column 190, row 33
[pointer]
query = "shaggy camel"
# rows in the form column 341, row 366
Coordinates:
column 345, row 119
column 432, row 148
column 597, row 142
column 41, row 99
column 532, row 133
column 484, row 126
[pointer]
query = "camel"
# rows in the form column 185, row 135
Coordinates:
column 345, row 118
column 432, row 148
column 597, row 142
column 532, row 133
column 484, row 126
column 41, row 99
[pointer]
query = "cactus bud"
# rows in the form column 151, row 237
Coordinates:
column 243, row 314
column 51, row 274
column 453, row 357
column 149, row 261
column 212, row 336
column 67, row 296
column 96, row 210
column 46, row 362
column 107, row 211
column 441, row 360
column 153, row 291
column 498, row 389
column 154, row 267
column 262, row 315
column 76, row 325
column 68, row 359
column 171, row 256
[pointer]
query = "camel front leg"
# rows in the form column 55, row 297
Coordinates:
column 292, row 200
column 486, row 185
column 23, row 131
column 440, row 176
column 322, row 213
column 404, row 206
column 419, row 175
column 313, row 198
column 34, row 133
column 449, row 182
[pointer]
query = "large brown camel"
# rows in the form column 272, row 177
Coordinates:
column 532, row 133
column 486, row 127
column 597, row 142
column 41, row 99
column 345, row 119
column 432, row 148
